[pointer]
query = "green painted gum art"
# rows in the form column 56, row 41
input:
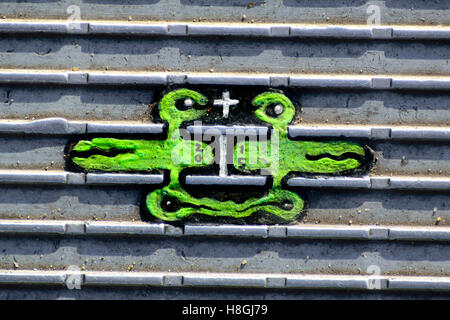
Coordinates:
column 175, row 154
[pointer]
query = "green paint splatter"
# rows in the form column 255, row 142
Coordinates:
column 278, row 158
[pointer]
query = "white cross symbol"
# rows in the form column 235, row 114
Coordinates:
column 226, row 103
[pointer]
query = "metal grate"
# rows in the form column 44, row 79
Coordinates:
column 385, row 84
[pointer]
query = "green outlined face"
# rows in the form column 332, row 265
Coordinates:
column 277, row 156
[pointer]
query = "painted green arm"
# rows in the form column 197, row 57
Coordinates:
column 282, row 155
column 173, row 153
column 142, row 155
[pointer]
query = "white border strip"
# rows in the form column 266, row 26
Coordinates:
column 226, row 29
column 303, row 231
column 382, row 82
column 226, row 280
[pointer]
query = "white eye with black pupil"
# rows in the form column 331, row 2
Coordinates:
column 188, row 102
column 278, row 109
column 274, row 110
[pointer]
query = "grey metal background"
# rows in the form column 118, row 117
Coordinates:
column 254, row 55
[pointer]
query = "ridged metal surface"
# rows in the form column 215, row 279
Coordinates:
column 386, row 86
column 228, row 29
column 103, row 228
column 225, row 280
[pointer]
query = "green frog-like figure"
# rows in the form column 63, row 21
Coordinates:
column 176, row 153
